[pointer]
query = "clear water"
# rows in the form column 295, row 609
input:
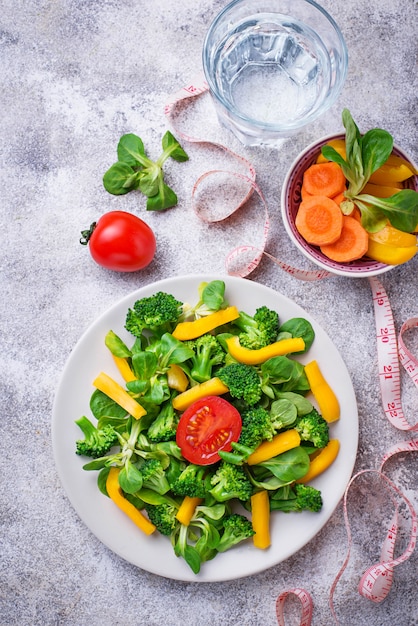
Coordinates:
column 272, row 69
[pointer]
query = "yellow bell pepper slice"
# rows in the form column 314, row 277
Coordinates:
column 124, row 369
column 391, row 255
column 382, row 191
column 187, row 509
column 176, row 378
column 329, row 406
column 321, row 461
column 391, row 236
column 212, row 387
column 255, row 357
column 185, row 331
column 338, row 145
column 395, row 170
column 260, row 514
column 280, row 443
column 116, row 495
column 118, row 394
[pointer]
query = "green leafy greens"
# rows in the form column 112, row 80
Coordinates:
column 135, row 170
column 153, row 474
column 364, row 155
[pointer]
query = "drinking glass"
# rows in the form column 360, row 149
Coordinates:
column 273, row 66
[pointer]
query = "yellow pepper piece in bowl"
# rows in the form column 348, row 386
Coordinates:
column 382, row 191
column 391, row 236
column 390, row 255
column 338, row 145
column 395, row 170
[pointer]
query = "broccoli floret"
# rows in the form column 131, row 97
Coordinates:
column 237, row 528
column 230, row 481
column 191, row 482
column 164, row 427
column 256, row 426
column 300, row 498
column 163, row 516
column 158, row 314
column 97, row 442
column 259, row 330
column 243, row 381
column 313, row 428
column 153, row 476
column 208, row 352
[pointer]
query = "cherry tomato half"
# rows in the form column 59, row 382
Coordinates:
column 120, row 241
column 206, row 427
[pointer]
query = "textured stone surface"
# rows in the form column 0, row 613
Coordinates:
column 75, row 76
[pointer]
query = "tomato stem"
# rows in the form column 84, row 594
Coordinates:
column 86, row 234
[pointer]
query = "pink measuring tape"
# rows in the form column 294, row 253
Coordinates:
column 390, row 351
column 376, row 582
column 244, row 259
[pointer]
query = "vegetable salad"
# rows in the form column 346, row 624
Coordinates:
column 353, row 200
column 212, row 430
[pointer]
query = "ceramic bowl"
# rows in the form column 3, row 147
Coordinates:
column 291, row 198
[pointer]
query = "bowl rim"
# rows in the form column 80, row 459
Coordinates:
column 379, row 268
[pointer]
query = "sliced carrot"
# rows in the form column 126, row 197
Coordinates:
column 324, row 179
column 303, row 193
column 352, row 244
column 319, row 220
column 340, row 197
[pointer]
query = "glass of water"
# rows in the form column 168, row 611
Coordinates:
column 272, row 67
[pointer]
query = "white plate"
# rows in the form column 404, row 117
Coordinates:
column 290, row 532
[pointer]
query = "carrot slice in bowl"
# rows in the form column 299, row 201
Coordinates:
column 319, row 220
column 324, row 179
column 352, row 244
column 340, row 197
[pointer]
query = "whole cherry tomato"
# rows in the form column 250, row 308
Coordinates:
column 120, row 241
column 209, row 425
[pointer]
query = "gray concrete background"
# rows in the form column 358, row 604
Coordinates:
column 75, row 76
